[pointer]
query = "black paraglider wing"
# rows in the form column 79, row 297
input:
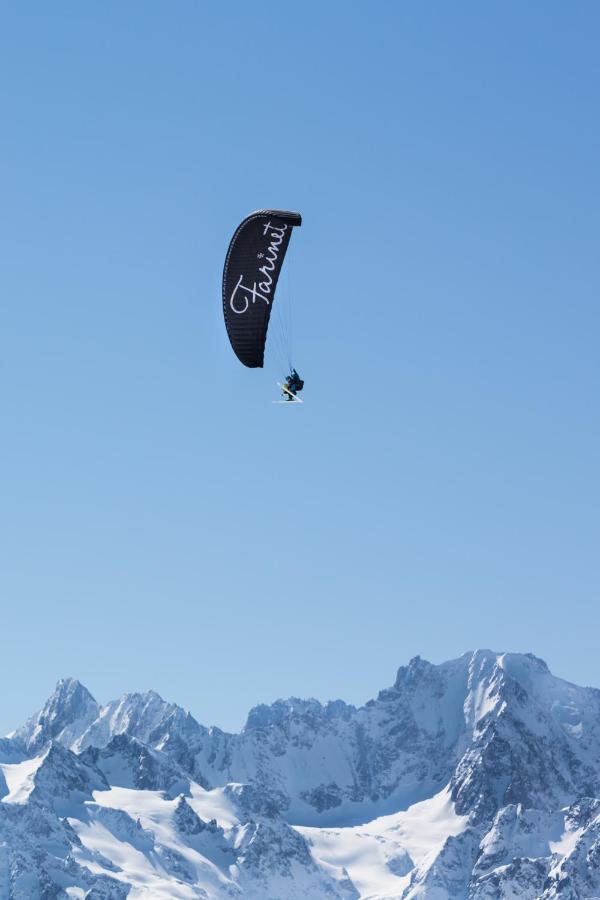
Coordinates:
column 252, row 268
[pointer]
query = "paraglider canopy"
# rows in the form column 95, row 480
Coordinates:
column 252, row 268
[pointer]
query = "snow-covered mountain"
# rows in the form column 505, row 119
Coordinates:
column 478, row 778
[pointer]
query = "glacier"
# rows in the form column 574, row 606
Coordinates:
column 475, row 779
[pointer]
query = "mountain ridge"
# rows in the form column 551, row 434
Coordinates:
column 489, row 754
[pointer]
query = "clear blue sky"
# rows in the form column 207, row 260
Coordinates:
column 162, row 524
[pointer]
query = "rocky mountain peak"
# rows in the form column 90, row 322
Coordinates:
column 68, row 711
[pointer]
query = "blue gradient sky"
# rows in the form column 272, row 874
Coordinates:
column 162, row 524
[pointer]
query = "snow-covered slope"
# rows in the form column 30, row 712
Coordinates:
column 477, row 778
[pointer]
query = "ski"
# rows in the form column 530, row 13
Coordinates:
column 294, row 397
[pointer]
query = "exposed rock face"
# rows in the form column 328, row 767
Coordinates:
column 188, row 822
column 491, row 758
column 127, row 762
